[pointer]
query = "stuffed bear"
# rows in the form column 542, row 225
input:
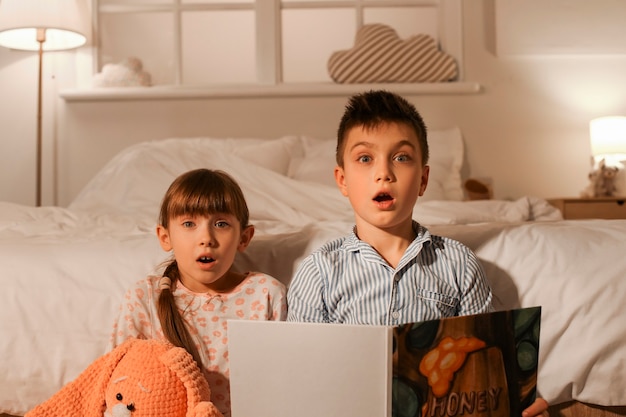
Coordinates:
column 601, row 181
column 139, row 378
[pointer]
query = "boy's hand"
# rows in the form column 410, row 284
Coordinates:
column 538, row 408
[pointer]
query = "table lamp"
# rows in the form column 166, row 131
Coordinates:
column 608, row 139
column 42, row 25
column 608, row 149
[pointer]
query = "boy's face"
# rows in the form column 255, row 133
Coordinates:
column 382, row 174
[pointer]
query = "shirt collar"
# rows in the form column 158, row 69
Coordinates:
column 352, row 243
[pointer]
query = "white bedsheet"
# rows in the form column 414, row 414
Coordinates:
column 64, row 271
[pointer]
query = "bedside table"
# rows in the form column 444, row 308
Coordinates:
column 591, row 208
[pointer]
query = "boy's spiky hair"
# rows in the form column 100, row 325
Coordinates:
column 375, row 107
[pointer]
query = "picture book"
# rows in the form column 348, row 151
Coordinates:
column 480, row 365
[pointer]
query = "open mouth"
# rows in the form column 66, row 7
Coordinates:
column 205, row 260
column 383, row 197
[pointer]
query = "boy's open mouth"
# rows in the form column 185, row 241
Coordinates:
column 383, row 197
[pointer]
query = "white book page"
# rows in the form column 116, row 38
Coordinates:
column 284, row 369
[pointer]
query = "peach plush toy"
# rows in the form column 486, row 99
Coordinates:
column 139, row 378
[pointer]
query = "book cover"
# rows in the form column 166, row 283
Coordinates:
column 480, row 365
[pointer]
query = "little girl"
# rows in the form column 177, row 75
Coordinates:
column 204, row 222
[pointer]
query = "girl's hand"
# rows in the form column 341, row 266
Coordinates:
column 538, row 408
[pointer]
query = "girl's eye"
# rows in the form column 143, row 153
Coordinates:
column 188, row 224
column 221, row 224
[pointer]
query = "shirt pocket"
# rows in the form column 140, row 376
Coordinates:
column 436, row 304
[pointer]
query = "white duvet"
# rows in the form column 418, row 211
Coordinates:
column 64, row 270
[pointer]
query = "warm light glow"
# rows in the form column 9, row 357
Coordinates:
column 64, row 21
column 608, row 136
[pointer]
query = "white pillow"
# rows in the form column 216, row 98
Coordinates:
column 274, row 155
column 317, row 163
column 446, row 161
column 135, row 180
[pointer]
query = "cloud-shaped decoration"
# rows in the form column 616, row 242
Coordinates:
column 128, row 73
column 380, row 56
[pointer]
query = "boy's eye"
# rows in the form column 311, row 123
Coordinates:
column 403, row 158
column 364, row 158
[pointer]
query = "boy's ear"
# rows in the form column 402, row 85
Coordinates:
column 164, row 238
column 245, row 238
column 340, row 179
column 424, row 179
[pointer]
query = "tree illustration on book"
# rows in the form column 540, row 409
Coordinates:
column 481, row 365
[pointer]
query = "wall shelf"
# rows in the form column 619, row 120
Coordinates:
column 257, row 91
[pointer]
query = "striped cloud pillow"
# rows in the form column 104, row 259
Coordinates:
column 380, row 56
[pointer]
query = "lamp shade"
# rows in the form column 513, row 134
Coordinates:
column 608, row 135
column 64, row 22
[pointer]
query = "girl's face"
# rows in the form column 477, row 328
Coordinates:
column 383, row 176
column 205, row 247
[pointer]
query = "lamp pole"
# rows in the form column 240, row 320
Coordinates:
column 41, row 38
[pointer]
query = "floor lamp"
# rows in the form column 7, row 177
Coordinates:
column 42, row 25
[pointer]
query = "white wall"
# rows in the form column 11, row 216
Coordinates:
column 18, row 104
column 527, row 129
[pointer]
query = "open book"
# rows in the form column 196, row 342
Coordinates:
column 480, row 365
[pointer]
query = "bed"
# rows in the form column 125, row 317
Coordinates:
column 64, row 269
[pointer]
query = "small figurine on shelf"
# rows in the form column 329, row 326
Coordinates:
column 127, row 73
column 601, row 181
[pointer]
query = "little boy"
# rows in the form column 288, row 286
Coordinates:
column 390, row 270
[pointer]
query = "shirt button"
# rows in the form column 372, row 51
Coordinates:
column 395, row 314
column 396, row 278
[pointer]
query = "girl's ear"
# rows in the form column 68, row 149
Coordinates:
column 164, row 238
column 245, row 238
column 340, row 179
